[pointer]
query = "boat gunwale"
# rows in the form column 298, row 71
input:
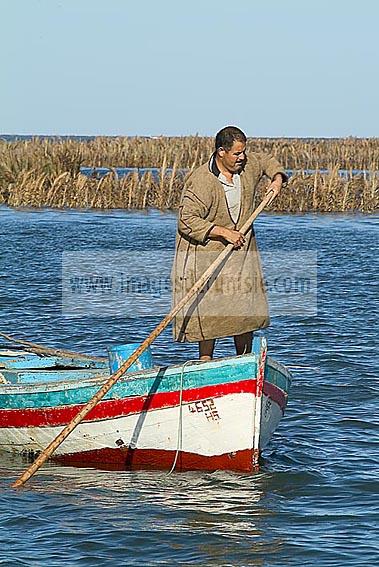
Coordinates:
column 134, row 376
column 38, row 387
column 279, row 367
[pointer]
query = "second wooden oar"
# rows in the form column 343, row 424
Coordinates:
column 40, row 349
column 147, row 342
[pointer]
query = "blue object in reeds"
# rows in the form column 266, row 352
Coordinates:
column 119, row 354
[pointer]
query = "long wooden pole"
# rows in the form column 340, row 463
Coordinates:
column 28, row 473
column 40, row 349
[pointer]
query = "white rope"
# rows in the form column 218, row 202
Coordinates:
column 180, row 421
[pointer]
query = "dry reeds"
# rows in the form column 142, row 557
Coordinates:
column 46, row 173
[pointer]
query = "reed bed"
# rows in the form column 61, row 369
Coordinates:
column 46, row 172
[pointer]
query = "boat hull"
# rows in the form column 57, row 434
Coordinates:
column 192, row 417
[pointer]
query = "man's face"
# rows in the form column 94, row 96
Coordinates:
column 234, row 159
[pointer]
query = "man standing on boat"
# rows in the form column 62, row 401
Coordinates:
column 217, row 199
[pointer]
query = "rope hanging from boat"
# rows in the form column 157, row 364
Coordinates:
column 180, row 421
column 42, row 350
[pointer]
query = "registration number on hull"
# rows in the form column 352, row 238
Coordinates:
column 206, row 407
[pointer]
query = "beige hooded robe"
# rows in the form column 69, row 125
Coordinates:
column 234, row 300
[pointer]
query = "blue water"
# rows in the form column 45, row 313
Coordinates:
column 314, row 501
column 99, row 172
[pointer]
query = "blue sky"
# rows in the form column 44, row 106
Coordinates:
column 122, row 67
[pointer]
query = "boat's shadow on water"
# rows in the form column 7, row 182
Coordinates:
column 213, row 517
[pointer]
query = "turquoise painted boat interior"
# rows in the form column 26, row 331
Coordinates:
column 49, row 375
column 190, row 375
column 57, row 383
column 33, row 361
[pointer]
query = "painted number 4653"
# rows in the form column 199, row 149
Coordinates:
column 207, row 407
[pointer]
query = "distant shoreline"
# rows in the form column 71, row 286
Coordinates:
column 84, row 138
column 329, row 175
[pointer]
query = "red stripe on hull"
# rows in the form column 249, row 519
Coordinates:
column 108, row 409
column 276, row 394
column 154, row 459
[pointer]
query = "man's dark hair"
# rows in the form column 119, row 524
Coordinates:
column 228, row 135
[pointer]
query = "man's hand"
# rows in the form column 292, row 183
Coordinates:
column 232, row 236
column 274, row 187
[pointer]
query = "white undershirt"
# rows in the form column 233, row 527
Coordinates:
column 233, row 194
